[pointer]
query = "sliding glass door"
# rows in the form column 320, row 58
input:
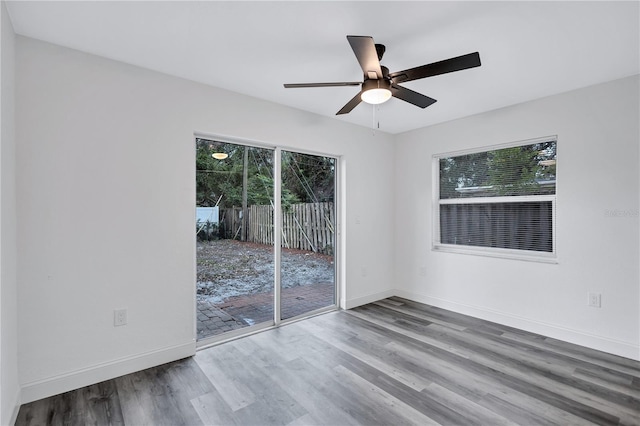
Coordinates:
column 234, row 229
column 236, row 236
column 308, row 233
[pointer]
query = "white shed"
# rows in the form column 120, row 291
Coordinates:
column 207, row 214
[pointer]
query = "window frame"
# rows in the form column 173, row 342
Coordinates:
column 528, row 255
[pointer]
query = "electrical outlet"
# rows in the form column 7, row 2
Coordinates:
column 363, row 272
column 119, row 317
column 595, row 300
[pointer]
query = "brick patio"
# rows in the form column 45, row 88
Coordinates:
column 243, row 311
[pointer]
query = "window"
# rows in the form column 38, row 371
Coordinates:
column 497, row 202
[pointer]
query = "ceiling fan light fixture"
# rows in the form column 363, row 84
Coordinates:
column 219, row 155
column 375, row 92
column 376, row 96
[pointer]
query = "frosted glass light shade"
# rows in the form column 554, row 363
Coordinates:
column 376, row 96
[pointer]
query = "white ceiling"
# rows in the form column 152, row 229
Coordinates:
column 528, row 49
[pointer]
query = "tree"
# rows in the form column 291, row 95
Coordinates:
column 464, row 171
column 310, row 178
column 506, row 171
column 512, row 170
column 519, row 170
column 220, row 182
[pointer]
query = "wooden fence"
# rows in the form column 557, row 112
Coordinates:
column 307, row 226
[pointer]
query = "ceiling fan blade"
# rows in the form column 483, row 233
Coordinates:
column 458, row 63
column 337, row 84
column 350, row 105
column 365, row 51
column 415, row 98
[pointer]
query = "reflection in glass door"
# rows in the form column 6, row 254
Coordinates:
column 308, row 237
column 234, row 229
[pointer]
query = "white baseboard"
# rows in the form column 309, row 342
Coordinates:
column 352, row 303
column 98, row 373
column 15, row 410
column 601, row 343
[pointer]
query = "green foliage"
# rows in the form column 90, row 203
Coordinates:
column 310, row 178
column 507, row 171
column 513, row 170
column 207, row 230
column 220, row 181
column 463, row 172
column 305, row 178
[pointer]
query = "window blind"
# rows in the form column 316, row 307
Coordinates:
column 501, row 198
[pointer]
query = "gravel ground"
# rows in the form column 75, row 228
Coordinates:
column 229, row 268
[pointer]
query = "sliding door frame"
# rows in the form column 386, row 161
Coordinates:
column 277, row 243
column 277, row 236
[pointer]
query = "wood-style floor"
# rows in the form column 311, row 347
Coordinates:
column 394, row 362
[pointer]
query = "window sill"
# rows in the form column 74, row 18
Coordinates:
column 527, row 256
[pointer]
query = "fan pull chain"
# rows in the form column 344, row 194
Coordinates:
column 373, row 119
column 375, row 124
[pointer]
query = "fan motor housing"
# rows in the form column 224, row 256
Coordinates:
column 376, row 84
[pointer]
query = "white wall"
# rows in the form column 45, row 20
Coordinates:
column 118, row 140
column 598, row 140
column 9, row 384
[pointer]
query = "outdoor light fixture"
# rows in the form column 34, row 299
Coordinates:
column 375, row 92
column 219, row 155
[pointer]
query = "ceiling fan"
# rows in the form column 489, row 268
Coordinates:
column 380, row 85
